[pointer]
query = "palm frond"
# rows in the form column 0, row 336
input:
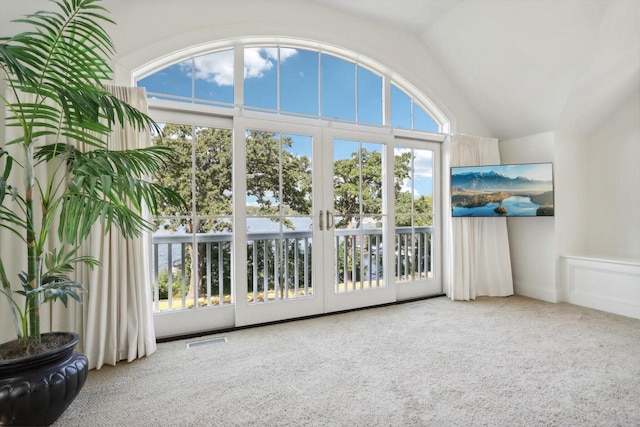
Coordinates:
column 60, row 261
column 104, row 187
column 61, row 288
column 11, row 61
column 63, row 63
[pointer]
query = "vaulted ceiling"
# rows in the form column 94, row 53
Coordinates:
column 525, row 66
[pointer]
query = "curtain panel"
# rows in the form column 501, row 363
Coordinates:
column 477, row 248
column 117, row 316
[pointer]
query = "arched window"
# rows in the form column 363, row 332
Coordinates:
column 297, row 81
column 312, row 176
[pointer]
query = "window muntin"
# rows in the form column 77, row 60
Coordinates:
column 291, row 80
column 278, row 216
column 358, row 206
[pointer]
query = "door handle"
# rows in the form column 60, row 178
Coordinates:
column 330, row 222
column 320, row 219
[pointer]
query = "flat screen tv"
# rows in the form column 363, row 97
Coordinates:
column 518, row 190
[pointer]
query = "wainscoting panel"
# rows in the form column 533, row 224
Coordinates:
column 606, row 284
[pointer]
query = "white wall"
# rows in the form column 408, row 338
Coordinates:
column 613, row 183
column 532, row 241
column 597, row 206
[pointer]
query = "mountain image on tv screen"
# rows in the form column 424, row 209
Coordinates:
column 502, row 190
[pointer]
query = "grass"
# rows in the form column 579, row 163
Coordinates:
column 163, row 305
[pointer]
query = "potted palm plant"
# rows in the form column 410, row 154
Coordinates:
column 58, row 178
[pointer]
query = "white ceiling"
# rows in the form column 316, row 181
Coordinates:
column 526, row 66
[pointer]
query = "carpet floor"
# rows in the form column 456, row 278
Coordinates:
column 510, row 361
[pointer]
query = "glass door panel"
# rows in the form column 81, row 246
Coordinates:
column 356, row 223
column 192, row 254
column 357, row 193
column 414, row 181
column 278, row 214
column 278, row 245
column 193, row 247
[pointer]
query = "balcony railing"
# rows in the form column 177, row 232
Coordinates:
column 279, row 266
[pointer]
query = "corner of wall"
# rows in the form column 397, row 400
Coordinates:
column 532, row 242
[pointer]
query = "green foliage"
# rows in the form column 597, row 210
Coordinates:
column 56, row 74
column 347, row 180
column 163, row 283
column 211, row 170
column 364, row 167
column 280, row 182
column 275, row 176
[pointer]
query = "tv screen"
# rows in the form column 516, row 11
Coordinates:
column 520, row 190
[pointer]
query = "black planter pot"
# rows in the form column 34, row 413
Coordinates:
column 36, row 390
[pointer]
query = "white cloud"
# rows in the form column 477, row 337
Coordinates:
column 218, row 67
column 406, row 187
column 215, row 67
column 255, row 64
column 260, row 59
column 286, row 53
column 423, row 163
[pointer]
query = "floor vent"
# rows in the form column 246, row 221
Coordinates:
column 417, row 304
column 208, row 341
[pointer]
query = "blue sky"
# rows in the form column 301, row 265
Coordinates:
column 348, row 91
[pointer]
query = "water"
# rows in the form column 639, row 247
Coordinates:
column 515, row 205
column 254, row 225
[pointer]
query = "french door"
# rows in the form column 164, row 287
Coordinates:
column 357, row 202
column 313, row 222
column 278, row 190
column 321, row 220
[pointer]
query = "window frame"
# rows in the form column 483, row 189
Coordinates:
column 389, row 78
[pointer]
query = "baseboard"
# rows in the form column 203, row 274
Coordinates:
column 605, row 284
column 532, row 290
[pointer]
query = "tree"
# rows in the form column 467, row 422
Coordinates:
column 347, row 175
column 422, row 210
column 205, row 157
column 278, row 179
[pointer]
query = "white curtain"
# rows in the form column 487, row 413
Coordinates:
column 117, row 318
column 477, row 249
